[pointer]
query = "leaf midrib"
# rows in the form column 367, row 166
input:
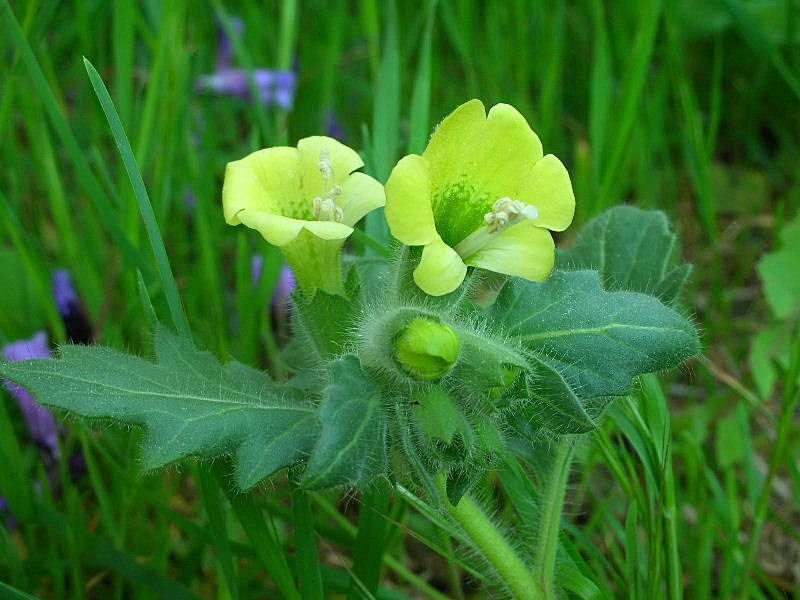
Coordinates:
column 598, row 331
column 255, row 405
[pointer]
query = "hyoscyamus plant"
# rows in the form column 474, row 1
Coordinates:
column 402, row 371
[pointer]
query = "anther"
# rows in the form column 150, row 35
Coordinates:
column 507, row 211
column 325, row 209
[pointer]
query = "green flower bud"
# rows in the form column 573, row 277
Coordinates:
column 426, row 349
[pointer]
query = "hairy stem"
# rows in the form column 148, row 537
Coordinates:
column 494, row 547
column 551, row 507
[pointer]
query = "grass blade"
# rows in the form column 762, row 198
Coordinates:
column 419, row 119
column 85, row 175
column 308, row 563
column 385, row 120
column 145, row 207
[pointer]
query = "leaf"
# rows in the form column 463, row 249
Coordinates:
column 588, row 344
column 780, row 272
column 352, row 445
column 327, row 320
column 770, row 354
column 632, row 249
column 190, row 404
column 458, row 483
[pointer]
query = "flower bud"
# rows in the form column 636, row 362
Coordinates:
column 426, row 349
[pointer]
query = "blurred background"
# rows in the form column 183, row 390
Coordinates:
column 685, row 106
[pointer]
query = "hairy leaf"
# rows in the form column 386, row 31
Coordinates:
column 190, row 404
column 588, row 344
column 632, row 249
column 352, row 444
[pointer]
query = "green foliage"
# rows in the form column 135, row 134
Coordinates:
column 780, row 272
column 189, row 403
column 21, row 314
column 637, row 102
column 770, row 348
column 633, row 250
column 588, row 344
column 352, row 444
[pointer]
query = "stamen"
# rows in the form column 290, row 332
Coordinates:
column 325, row 209
column 505, row 213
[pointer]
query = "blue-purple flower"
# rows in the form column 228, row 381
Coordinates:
column 334, row 127
column 79, row 330
column 256, row 268
column 39, row 420
column 274, row 87
column 64, row 291
column 287, row 283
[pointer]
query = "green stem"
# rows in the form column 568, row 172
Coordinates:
column 494, row 547
column 551, row 507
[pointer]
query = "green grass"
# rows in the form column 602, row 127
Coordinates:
column 686, row 107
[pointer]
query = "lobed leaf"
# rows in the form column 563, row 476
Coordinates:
column 190, row 404
column 588, row 344
column 632, row 249
column 352, row 443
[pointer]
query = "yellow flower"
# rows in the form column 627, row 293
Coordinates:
column 482, row 195
column 304, row 200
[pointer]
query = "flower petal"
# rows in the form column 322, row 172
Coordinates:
column 523, row 250
column 264, row 181
column 549, row 189
column 474, row 160
column 408, row 202
column 458, row 126
column 276, row 229
column 503, row 152
column 344, row 160
column 329, row 230
column 440, row 270
column 360, row 195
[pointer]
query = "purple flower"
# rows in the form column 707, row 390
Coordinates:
column 256, row 268
column 40, row 421
column 284, row 287
column 225, row 48
column 284, row 88
column 281, row 298
column 66, row 297
column 79, row 330
column 334, row 127
column 274, row 87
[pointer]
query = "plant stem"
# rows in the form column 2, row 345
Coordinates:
column 551, row 507
column 494, row 547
